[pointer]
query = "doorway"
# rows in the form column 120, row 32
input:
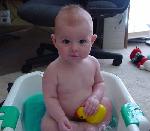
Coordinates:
column 139, row 19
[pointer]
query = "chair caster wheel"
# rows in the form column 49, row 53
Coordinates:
column 117, row 62
column 26, row 68
column 40, row 51
column 1, row 103
column 10, row 84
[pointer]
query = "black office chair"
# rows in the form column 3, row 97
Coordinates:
column 43, row 12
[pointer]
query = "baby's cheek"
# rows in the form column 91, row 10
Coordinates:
column 86, row 52
column 63, row 52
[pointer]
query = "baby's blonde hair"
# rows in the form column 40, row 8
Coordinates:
column 73, row 15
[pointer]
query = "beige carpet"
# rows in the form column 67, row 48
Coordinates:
column 136, row 81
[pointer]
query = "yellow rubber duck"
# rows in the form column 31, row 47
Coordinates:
column 92, row 119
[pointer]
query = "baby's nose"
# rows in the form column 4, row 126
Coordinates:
column 74, row 47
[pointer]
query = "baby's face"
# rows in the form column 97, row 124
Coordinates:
column 73, row 42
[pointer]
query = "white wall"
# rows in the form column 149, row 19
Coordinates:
column 114, row 31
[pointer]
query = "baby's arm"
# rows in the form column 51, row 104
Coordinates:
column 98, row 87
column 53, row 107
column 91, row 104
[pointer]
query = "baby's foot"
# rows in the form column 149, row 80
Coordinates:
column 105, row 128
column 91, row 128
column 102, row 127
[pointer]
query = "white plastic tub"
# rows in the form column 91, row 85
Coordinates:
column 31, row 83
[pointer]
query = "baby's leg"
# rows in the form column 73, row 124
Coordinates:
column 82, row 126
column 48, row 124
column 107, row 103
column 88, row 127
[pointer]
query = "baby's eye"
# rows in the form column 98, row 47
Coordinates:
column 65, row 41
column 82, row 41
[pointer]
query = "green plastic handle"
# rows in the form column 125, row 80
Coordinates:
column 131, row 113
column 10, row 116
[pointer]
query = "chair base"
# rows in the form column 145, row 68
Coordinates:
column 8, row 36
column 41, row 59
column 145, row 40
column 100, row 54
column 38, row 61
column 148, row 43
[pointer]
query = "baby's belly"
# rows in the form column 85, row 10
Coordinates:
column 71, row 102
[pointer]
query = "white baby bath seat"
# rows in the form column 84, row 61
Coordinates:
column 128, row 115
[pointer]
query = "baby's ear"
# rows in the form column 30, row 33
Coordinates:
column 53, row 39
column 93, row 38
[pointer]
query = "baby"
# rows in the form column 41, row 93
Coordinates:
column 74, row 78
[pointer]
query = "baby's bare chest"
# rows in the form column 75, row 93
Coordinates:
column 72, row 81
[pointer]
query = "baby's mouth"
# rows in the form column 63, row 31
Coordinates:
column 75, row 56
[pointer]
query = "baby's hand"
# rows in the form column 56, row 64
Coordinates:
column 64, row 124
column 91, row 105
